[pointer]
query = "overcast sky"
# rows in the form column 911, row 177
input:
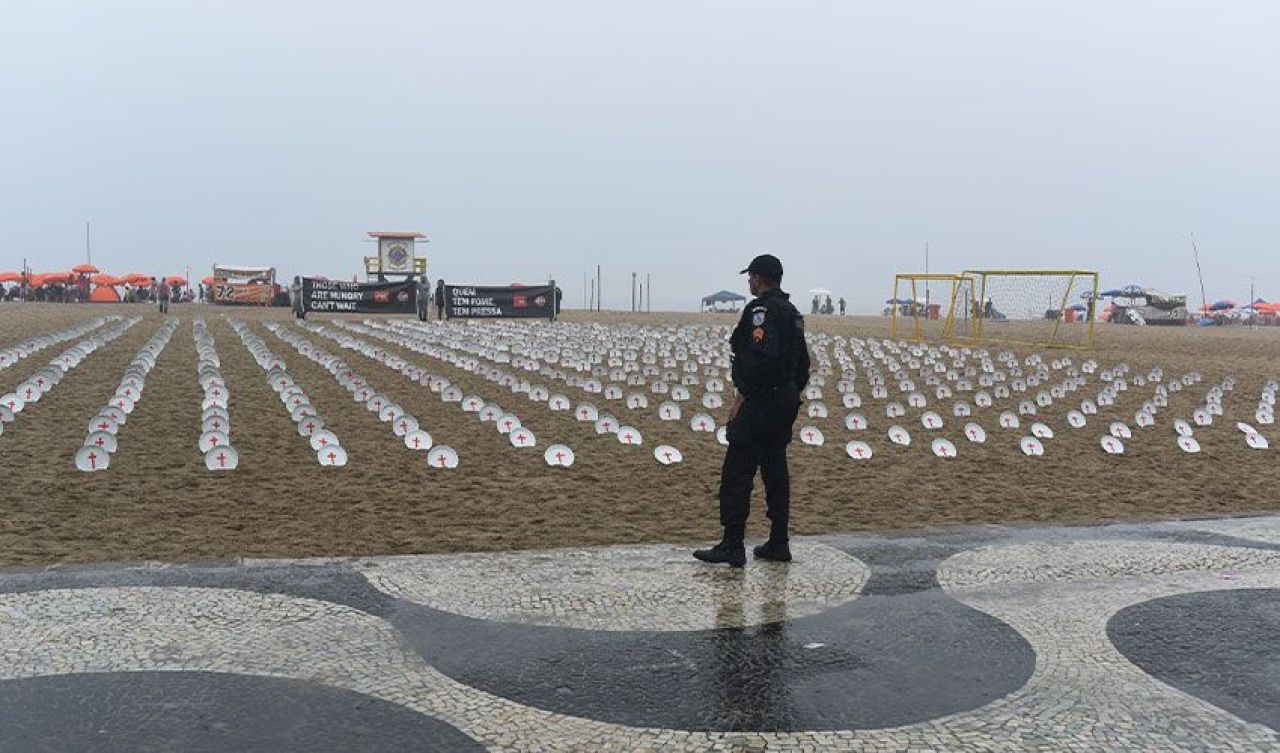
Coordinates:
column 671, row 137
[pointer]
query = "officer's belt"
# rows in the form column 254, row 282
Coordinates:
column 773, row 390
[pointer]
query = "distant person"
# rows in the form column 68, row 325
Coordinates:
column 842, row 307
column 163, row 292
column 827, row 308
column 770, row 370
column 422, row 301
column 440, row 299
column 816, row 303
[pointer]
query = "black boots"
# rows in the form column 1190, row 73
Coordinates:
column 730, row 551
column 733, row 555
column 777, row 551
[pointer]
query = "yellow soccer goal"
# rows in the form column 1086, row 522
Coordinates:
column 1036, row 307
column 923, row 305
column 1040, row 308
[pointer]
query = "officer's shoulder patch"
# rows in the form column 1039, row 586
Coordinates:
column 757, row 318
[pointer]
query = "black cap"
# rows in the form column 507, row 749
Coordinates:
column 765, row 265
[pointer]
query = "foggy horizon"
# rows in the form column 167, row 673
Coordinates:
column 672, row 139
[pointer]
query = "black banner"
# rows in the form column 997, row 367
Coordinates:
column 472, row 302
column 359, row 297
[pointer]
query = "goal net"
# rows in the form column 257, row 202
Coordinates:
column 1042, row 308
column 923, row 305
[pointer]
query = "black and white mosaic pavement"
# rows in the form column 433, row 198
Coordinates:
column 1125, row 637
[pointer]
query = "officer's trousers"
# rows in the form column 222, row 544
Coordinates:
column 758, row 439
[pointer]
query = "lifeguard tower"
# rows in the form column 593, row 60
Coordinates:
column 397, row 256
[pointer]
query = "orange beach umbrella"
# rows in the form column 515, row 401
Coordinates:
column 50, row 277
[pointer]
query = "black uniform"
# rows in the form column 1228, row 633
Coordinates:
column 770, row 370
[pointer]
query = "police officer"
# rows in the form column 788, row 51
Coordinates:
column 770, row 370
